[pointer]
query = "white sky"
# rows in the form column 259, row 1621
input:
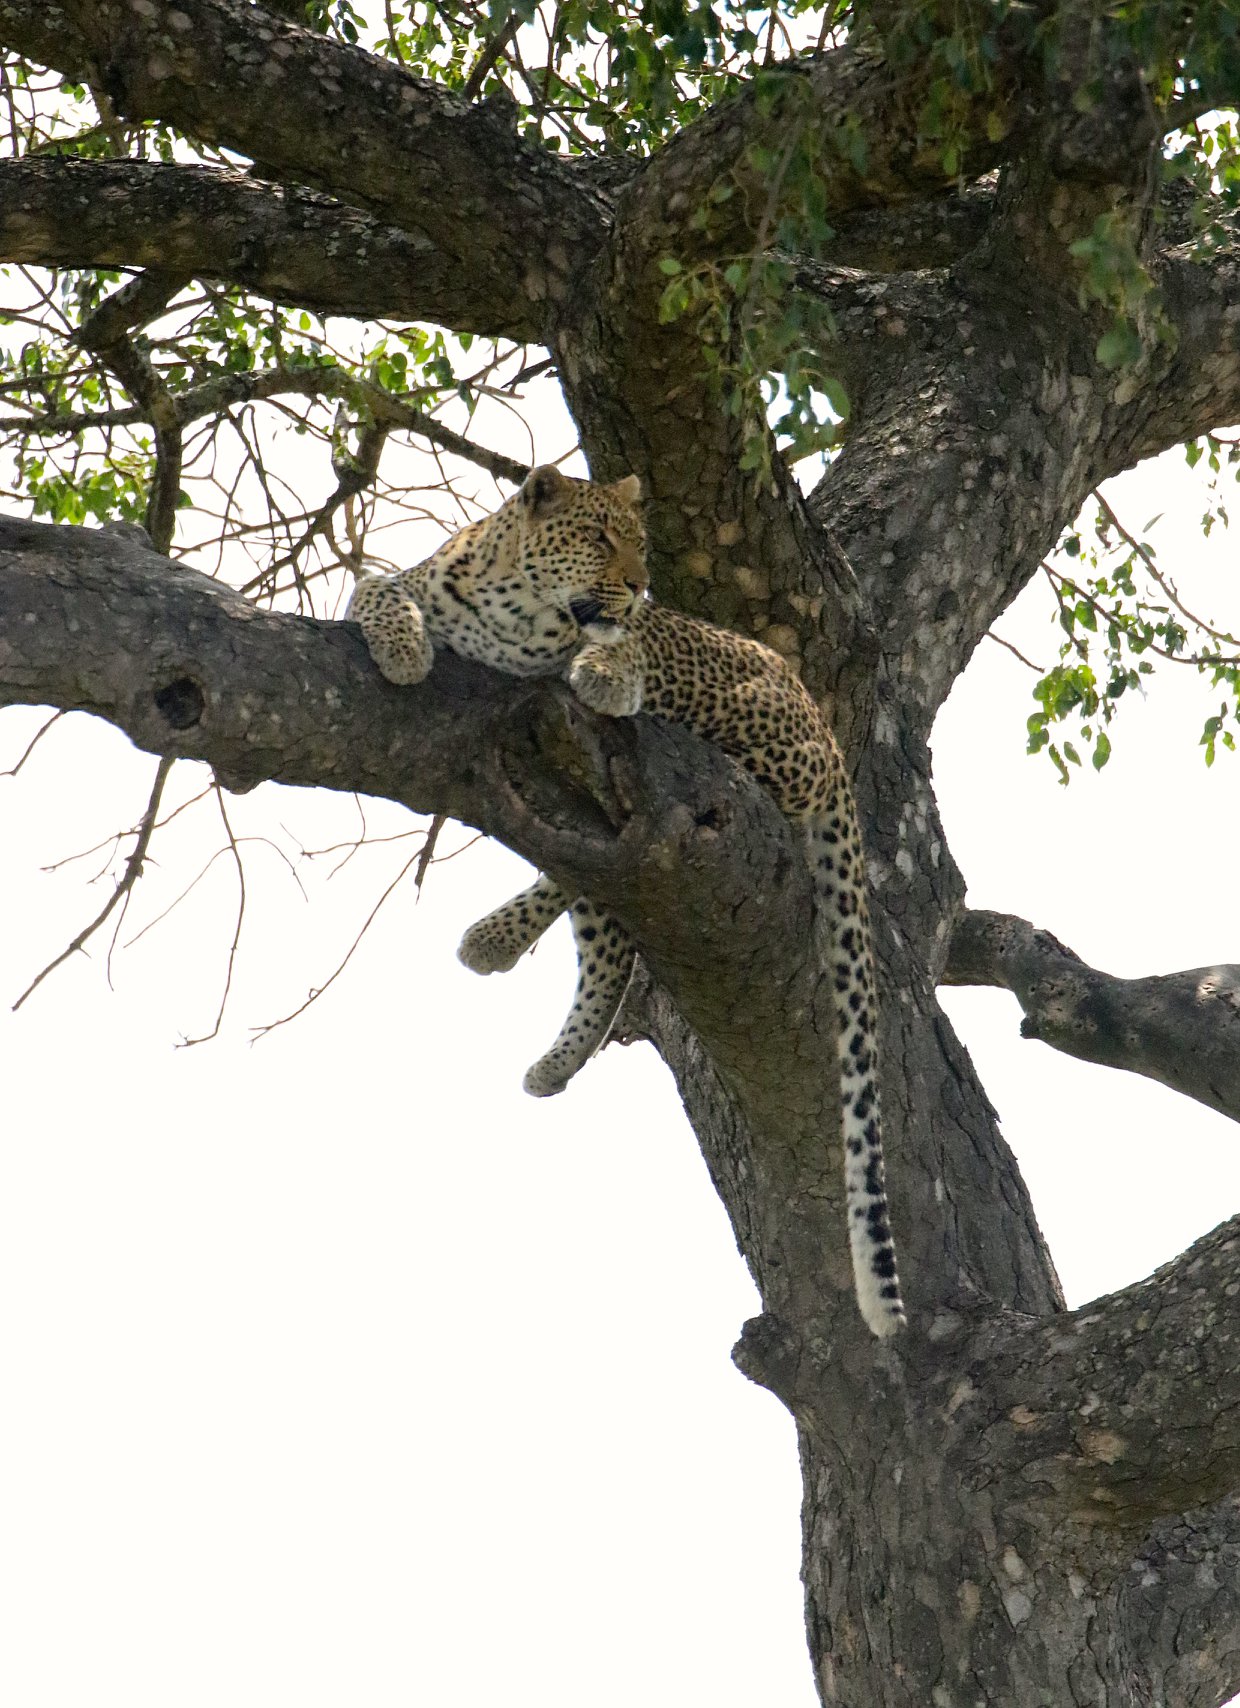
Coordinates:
column 340, row 1371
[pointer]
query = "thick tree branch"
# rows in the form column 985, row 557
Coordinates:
column 1180, row 1603
column 1129, row 1411
column 293, row 244
column 826, row 103
column 652, row 823
column 1195, row 388
column 507, row 213
column 1182, row 1029
column 934, row 232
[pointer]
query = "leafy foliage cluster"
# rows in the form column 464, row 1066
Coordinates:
column 1123, row 613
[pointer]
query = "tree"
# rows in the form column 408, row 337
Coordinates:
column 1000, row 243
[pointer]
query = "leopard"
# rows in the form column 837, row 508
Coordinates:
column 516, row 590
column 555, row 583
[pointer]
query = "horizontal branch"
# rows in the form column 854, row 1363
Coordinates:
column 293, row 244
column 1196, row 385
column 503, row 212
column 214, row 396
column 1182, row 1029
column 933, row 232
column 384, row 408
column 846, row 109
column 651, row 822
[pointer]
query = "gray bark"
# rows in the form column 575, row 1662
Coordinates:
column 1014, row 1504
column 289, row 242
column 1182, row 1029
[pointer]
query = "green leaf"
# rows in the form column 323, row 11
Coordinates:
column 1119, row 347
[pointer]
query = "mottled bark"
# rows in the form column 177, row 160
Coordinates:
column 1182, row 1029
column 246, row 79
column 97, row 621
column 1013, row 1504
column 293, row 244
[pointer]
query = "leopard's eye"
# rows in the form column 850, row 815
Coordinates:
column 603, row 537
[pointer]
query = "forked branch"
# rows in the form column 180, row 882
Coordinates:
column 130, row 876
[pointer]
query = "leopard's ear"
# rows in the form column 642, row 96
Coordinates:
column 545, row 489
column 628, row 490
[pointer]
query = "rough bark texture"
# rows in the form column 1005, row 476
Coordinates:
column 1182, row 1029
column 1037, row 1507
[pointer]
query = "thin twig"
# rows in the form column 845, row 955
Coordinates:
column 999, row 641
column 34, row 742
column 1147, row 558
column 188, row 1043
column 321, row 990
column 428, row 851
column 133, row 871
column 1200, row 659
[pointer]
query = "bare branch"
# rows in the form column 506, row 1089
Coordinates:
column 321, row 990
column 1182, row 1029
column 106, row 333
column 242, row 78
column 188, row 1043
column 293, row 244
column 990, row 635
column 428, row 851
column 130, row 876
column 34, row 741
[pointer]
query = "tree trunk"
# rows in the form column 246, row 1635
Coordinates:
column 1012, row 1503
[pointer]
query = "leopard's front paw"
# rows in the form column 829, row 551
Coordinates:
column 392, row 628
column 401, row 661
column 614, row 696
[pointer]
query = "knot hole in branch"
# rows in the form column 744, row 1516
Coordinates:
column 181, row 702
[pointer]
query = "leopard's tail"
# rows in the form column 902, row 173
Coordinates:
column 842, row 925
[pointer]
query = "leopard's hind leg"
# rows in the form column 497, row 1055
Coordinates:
column 495, row 944
column 605, row 957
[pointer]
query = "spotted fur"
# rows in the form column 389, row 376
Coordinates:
column 528, row 588
column 605, row 958
column 518, row 590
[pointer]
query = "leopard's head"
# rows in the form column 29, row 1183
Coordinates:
column 584, row 548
